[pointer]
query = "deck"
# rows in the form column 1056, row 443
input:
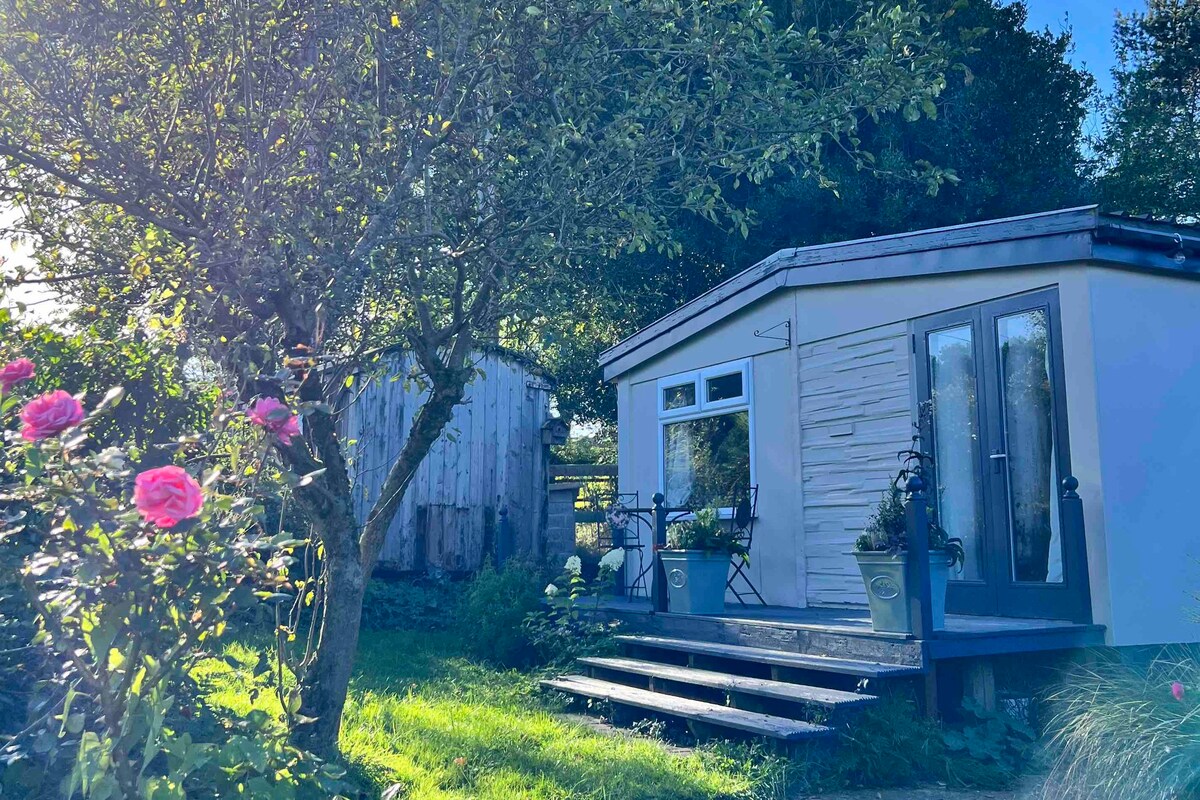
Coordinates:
column 848, row 631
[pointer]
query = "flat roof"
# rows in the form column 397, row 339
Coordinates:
column 1033, row 240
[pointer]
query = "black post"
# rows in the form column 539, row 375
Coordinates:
column 659, row 596
column 920, row 595
column 1072, row 508
column 1071, row 514
column 504, row 539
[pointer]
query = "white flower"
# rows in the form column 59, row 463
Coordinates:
column 613, row 560
column 111, row 460
column 573, row 565
column 551, row 590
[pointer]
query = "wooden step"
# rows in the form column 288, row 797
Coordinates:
column 832, row 699
column 782, row 728
column 774, row 658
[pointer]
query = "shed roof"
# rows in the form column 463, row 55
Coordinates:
column 1034, row 240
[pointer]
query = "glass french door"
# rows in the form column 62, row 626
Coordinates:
column 994, row 418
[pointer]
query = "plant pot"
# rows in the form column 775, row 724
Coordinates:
column 885, row 578
column 695, row 580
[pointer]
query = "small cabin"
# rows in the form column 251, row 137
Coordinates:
column 481, row 490
column 1026, row 350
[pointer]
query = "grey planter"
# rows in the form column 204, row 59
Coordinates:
column 695, row 581
column 887, row 590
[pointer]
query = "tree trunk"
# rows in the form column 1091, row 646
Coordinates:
column 327, row 678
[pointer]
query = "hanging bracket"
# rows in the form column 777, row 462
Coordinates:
column 786, row 338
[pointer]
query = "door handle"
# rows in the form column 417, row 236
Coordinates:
column 996, row 459
column 995, row 456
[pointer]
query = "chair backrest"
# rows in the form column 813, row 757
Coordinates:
column 745, row 511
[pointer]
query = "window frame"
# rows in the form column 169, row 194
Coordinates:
column 703, row 408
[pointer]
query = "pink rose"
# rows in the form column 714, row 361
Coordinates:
column 15, row 372
column 272, row 415
column 166, row 495
column 50, row 414
column 1177, row 691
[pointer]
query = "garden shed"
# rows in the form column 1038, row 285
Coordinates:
column 1029, row 351
column 482, row 488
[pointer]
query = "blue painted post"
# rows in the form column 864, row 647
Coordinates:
column 504, row 539
column 659, row 595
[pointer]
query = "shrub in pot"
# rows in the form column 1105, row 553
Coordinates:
column 882, row 554
column 696, row 563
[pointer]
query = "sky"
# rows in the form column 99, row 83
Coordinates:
column 1091, row 23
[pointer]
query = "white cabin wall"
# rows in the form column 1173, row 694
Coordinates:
column 1147, row 366
column 855, row 415
column 777, row 530
column 825, row 313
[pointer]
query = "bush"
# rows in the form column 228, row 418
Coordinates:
column 492, row 613
column 893, row 745
column 132, row 573
column 418, row 605
column 1129, row 727
column 562, row 630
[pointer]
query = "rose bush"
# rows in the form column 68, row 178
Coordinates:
column 134, row 574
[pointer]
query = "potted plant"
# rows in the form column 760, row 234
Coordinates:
column 696, row 563
column 882, row 554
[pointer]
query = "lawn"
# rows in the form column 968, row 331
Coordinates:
column 421, row 715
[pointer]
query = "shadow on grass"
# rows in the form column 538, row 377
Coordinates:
column 421, row 715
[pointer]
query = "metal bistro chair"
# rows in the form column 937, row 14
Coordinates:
column 620, row 531
column 741, row 525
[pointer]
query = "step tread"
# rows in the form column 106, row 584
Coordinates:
column 759, row 687
column 779, row 658
column 723, row 716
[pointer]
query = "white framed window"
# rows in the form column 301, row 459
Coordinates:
column 706, row 435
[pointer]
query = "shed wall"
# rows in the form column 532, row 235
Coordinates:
column 855, row 399
column 489, row 457
column 848, row 316
column 1147, row 365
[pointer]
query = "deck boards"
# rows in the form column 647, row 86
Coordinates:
column 758, row 687
column 775, row 658
column 710, row 713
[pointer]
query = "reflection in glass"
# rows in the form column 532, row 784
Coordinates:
column 1026, row 395
column 959, row 495
column 724, row 387
column 679, row 396
column 706, row 460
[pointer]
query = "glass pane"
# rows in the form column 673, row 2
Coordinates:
column 959, row 491
column 1026, row 395
column 706, row 460
column 724, row 387
column 679, row 396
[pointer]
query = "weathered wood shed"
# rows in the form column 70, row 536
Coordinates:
column 490, row 458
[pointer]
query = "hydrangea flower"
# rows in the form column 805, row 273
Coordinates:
column 613, row 560
column 573, row 565
column 551, row 590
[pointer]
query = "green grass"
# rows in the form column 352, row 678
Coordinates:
column 445, row 728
